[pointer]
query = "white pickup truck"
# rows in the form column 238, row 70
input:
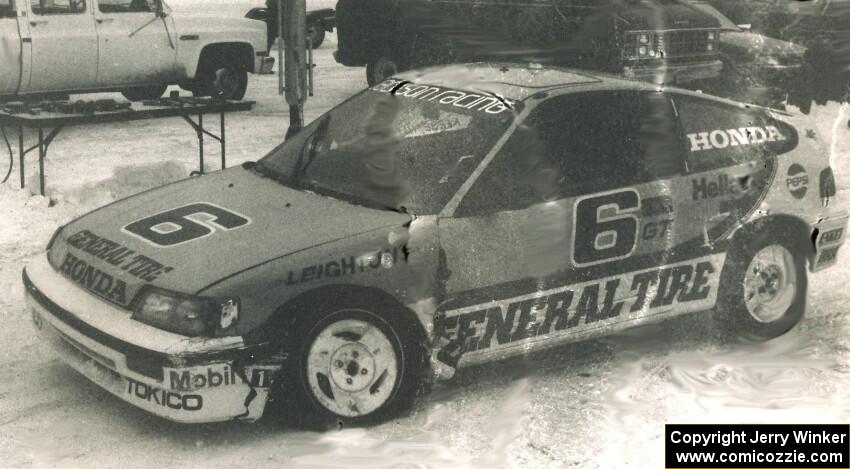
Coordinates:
column 137, row 47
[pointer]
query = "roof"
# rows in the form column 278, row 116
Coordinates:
column 509, row 80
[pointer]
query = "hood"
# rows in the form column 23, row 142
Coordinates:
column 665, row 14
column 757, row 46
column 266, row 221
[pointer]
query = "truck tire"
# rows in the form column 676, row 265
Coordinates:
column 224, row 79
column 145, row 92
column 380, row 68
column 351, row 365
column 315, row 35
column 763, row 286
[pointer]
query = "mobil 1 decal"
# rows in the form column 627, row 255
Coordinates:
column 679, row 287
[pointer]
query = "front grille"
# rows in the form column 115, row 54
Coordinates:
column 683, row 43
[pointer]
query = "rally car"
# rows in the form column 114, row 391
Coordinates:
column 439, row 219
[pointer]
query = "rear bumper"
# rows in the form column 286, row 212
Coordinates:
column 168, row 375
column 671, row 74
column 831, row 233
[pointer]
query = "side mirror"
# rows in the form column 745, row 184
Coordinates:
column 745, row 27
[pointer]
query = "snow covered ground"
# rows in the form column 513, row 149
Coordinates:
column 596, row 404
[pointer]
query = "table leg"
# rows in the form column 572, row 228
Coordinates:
column 41, row 159
column 21, row 153
column 201, row 141
column 222, row 139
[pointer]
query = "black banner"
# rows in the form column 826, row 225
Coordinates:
column 757, row 446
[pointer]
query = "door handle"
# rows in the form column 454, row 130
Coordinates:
column 35, row 22
column 104, row 20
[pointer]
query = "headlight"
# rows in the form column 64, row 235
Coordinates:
column 642, row 50
column 709, row 46
column 643, row 38
column 184, row 314
column 711, row 36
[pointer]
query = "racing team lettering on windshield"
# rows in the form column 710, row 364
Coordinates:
column 491, row 104
column 184, row 224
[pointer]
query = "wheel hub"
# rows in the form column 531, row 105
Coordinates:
column 352, row 367
column 770, row 283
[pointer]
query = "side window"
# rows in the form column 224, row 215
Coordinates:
column 575, row 145
column 58, row 7
column 718, row 135
column 126, row 6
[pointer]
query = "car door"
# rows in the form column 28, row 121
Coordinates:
column 136, row 46
column 10, row 49
column 64, row 46
column 573, row 228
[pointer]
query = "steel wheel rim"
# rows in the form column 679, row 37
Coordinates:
column 226, row 82
column 352, row 368
column 770, row 283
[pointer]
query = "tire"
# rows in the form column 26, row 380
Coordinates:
column 763, row 286
column 381, row 68
column 315, row 35
column 147, row 92
column 224, row 80
column 351, row 366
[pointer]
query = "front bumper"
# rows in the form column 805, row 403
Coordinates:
column 678, row 73
column 172, row 376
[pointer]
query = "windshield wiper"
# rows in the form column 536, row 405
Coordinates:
column 311, row 146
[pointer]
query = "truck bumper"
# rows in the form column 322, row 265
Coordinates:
column 671, row 74
column 175, row 377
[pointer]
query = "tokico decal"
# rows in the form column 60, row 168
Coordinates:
column 561, row 309
column 164, row 397
column 717, row 139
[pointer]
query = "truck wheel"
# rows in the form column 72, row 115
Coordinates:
column 380, row 69
column 223, row 80
column 352, row 366
column 763, row 287
column 143, row 93
column 315, row 35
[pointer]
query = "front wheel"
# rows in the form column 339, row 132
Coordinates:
column 353, row 366
column 763, row 287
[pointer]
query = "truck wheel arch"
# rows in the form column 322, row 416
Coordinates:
column 242, row 52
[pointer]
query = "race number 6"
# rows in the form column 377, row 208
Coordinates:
column 605, row 227
column 183, row 224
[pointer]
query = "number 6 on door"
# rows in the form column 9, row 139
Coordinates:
column 605, row 227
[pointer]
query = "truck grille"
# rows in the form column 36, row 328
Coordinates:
column 683, row 43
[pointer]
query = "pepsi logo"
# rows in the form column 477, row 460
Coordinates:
column 797, row 181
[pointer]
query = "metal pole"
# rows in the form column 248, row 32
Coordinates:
column 223, row 145
column 296, row 63
column 201, row 140
column 21, row 152
column 310, row 67
column 280, row 82
column 41, row 159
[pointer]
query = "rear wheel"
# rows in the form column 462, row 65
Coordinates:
column 380, row 69
column 223, row 79
column 143, row 93
column 315, row 35
column 763, row 287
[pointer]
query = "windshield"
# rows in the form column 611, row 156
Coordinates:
column 725, row 23
column 411, row 149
